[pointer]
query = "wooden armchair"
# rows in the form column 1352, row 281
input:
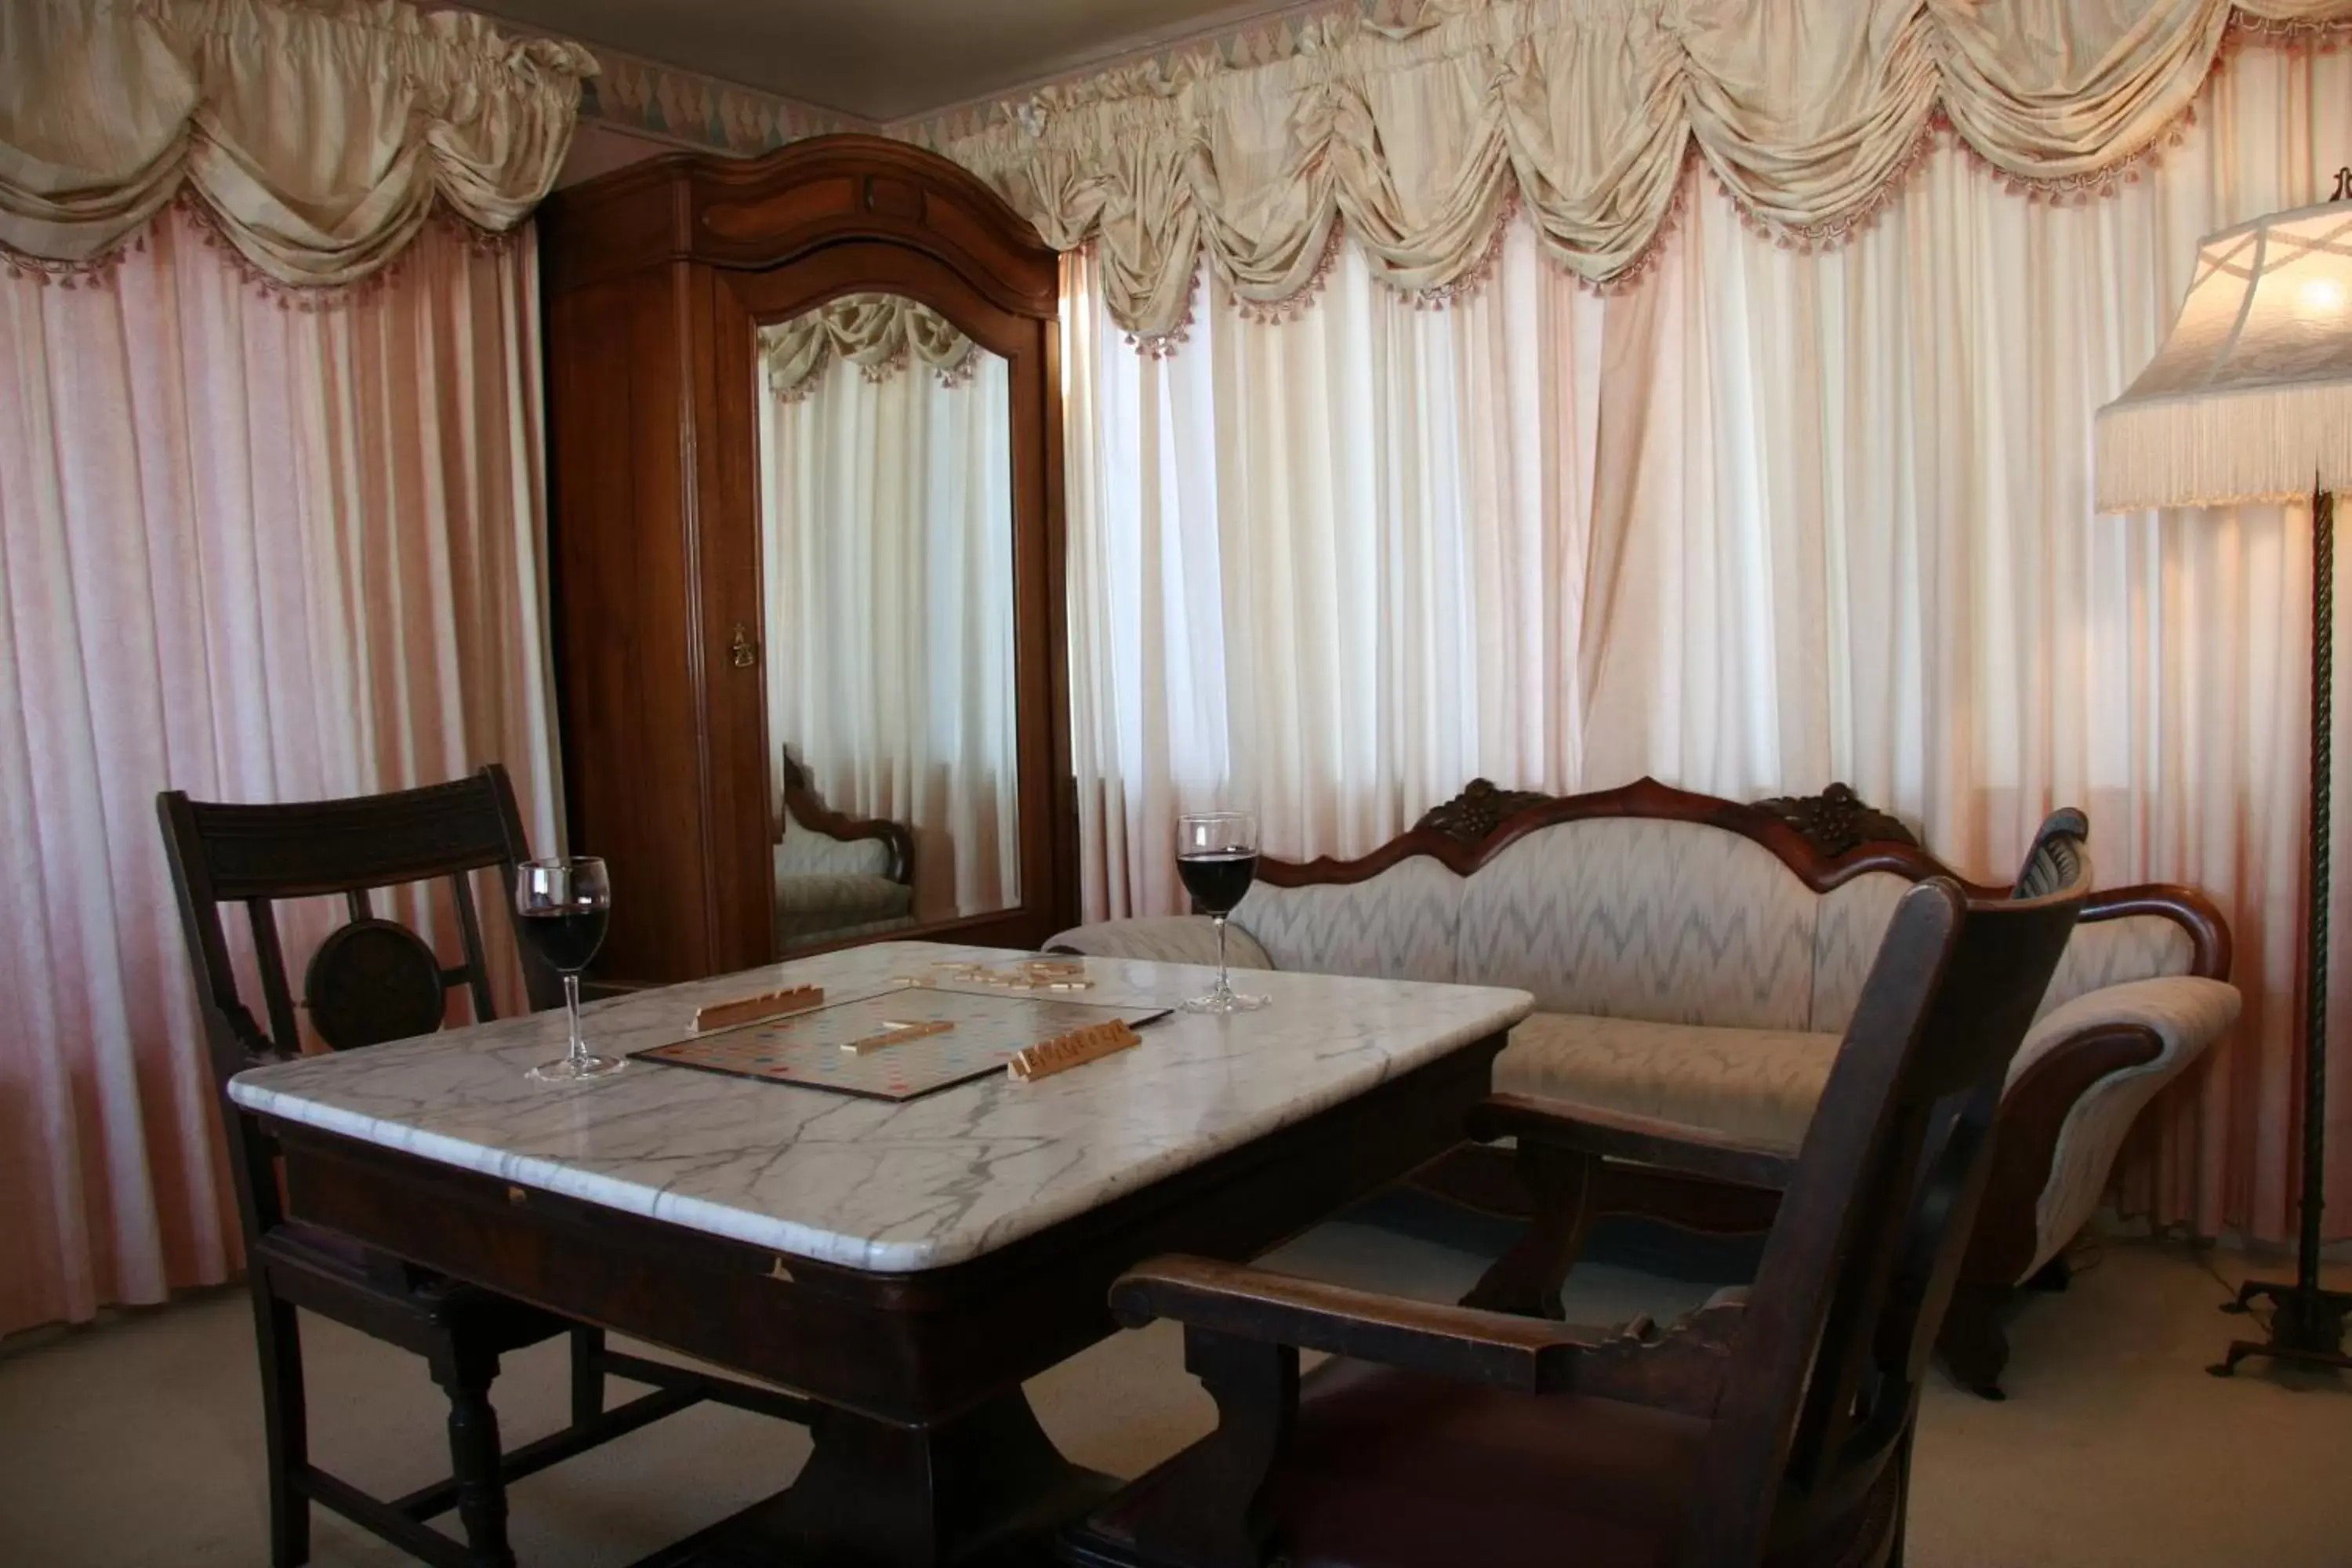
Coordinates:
column 374, row 980
column 1775, row 1427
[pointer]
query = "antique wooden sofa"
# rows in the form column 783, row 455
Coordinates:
column 838, row 877
column 1694, row 960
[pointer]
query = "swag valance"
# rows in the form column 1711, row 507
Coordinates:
column 318, row 137
column 1418, row 134
column 880, row 333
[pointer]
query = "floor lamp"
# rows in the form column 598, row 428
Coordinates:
column 2250, row 399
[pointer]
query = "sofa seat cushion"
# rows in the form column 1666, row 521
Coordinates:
column 1758, row 1085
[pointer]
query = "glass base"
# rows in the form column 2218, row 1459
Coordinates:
column 1224, row 1001
column 571, row 1070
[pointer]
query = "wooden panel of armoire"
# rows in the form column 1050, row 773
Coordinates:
column 624, row 552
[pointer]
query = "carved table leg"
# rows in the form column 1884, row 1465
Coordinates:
column 1526, row 1279
column 1201, row 1508
column 987, row 1487
column 473, row 1456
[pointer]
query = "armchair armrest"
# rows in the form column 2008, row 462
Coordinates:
column 1610, row 1135
column 1165, row 939
column 1679, row 1369
column 1523, row 1354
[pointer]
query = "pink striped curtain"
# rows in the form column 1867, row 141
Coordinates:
column 257, row 551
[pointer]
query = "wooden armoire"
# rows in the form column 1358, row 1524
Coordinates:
column 656, row 281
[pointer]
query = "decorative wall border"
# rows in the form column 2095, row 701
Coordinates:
column 646, row 97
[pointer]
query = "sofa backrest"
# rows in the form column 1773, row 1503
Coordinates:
column 2106, row 949
column 1402, row 923
column 1675, row 923
column 1656, row 904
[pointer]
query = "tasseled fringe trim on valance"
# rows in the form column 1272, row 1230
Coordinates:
column 100, row 272
column 1808, row 239
column 951, row 377
column 1481, row 271
column 1293, row 305
column 1163, row 345
column 2259, row 445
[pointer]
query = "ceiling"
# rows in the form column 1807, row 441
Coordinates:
column 883, row 61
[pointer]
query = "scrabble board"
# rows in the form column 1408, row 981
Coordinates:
column 808, row 1048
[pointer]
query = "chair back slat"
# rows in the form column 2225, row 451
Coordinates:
column 270, row 960
column 330, row 846
column 261, row 855
column 1823, row 1381
column 476, row 970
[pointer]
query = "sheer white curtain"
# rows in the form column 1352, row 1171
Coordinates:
column 256, row 553
column 1768, row 520
column 887, row 574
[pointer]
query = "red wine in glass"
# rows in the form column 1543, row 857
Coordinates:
column 561, row 907
column 566, row 939
column 1218, row 878
column 1216, row 859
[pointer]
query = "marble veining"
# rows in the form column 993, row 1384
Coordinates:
column 893, row 1188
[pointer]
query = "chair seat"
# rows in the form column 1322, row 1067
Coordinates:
column 1388, row 1469
column 1758, row 1085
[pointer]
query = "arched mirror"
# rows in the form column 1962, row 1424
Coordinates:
column 868, row 585
column 885, row 560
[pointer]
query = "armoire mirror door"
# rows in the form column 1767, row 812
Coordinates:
column 805, row 484
column 887, row 614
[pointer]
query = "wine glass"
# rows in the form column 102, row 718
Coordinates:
column 563, row 904
column 1216, row 856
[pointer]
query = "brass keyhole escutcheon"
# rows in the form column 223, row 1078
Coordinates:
column 745, row 651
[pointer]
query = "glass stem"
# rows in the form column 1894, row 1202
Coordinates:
column 1223, row 985
column 579, row 1051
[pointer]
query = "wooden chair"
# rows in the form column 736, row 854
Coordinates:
column 1567, row 1191
column 1773, row 1426
column 374, row 980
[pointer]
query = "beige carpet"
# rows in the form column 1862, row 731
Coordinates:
column 137, row 1442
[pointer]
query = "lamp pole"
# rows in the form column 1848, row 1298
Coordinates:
column 2306, row 1321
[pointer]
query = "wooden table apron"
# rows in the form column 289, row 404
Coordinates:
column 927, row 1452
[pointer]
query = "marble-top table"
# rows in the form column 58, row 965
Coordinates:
column 868, row 1184
column 910, row 1262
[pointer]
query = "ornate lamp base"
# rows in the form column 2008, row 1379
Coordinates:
column 2307, row 1326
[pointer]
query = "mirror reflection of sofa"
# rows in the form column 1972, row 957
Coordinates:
column 838, row 877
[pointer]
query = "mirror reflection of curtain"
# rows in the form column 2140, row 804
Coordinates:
column 887, row 477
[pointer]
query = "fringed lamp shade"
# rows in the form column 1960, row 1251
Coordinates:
column 2250, row 398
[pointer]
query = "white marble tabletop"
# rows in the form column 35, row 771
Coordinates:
column 893, row 1187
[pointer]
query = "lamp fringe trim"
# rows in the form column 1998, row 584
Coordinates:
column 2264, row 444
